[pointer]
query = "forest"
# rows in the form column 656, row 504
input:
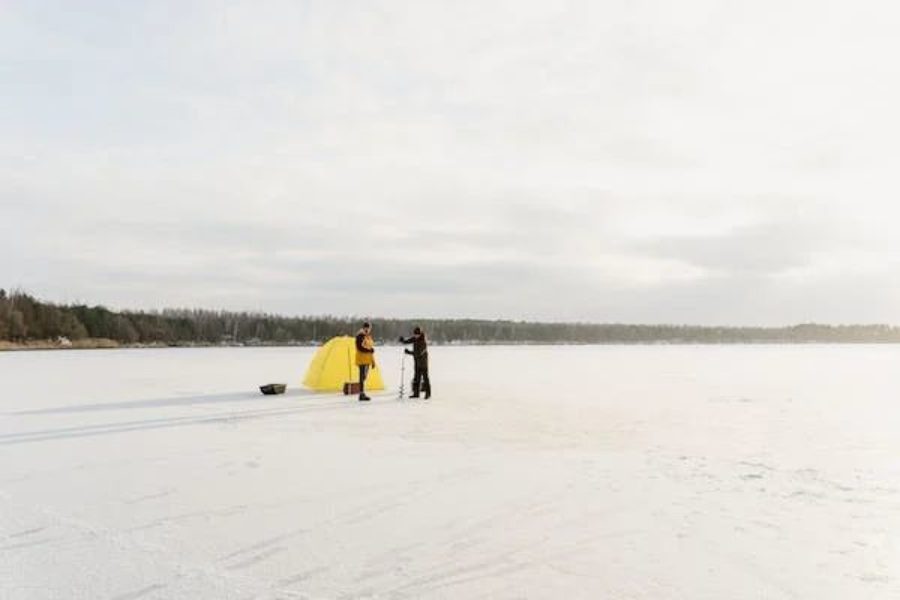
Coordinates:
column 24, row 318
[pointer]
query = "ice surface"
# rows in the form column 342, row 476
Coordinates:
column 534, row 472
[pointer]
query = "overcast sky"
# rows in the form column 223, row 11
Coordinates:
column 699, row 161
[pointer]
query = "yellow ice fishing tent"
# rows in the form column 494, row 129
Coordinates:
column 335, row 364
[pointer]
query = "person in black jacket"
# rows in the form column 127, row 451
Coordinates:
column 419, row 353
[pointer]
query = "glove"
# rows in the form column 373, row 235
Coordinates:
column 400, row 339
column 408, row 351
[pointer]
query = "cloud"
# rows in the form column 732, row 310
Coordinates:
column 583, row 161
column 762, row 249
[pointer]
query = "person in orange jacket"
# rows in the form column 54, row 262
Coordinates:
column 365, row 357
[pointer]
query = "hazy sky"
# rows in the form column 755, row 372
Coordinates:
column 646, row 161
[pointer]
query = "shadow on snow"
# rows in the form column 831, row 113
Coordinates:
column 331, row 402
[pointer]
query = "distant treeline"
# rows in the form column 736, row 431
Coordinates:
column 24, row 318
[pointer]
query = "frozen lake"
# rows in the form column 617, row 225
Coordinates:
column 654, row 472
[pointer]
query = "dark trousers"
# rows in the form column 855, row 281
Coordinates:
column 421, row 380
column 363, row 373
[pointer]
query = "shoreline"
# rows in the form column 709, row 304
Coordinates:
column 85, row 344
column 108, row 344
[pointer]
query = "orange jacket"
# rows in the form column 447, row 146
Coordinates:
column 365, row 349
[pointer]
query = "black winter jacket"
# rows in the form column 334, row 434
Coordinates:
column 420, row 347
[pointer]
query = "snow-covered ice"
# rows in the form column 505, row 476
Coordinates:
column 689, row 472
